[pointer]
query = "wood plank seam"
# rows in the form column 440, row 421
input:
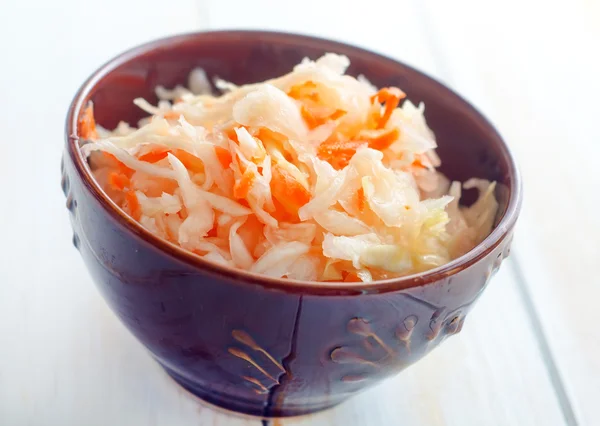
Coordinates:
column 542, row 342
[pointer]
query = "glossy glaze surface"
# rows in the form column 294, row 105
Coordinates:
column 267, row 347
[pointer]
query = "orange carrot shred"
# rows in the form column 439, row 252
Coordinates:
column 87, row 124
column 154, row 156
column 108, row 156
column 380, row 139
column 338, row 153
column 287, row 190
column 231, row 134
column 421, row 161
column 311, row 120
column 183, row 214
column 172, row 115
column 190, row 161
column 212, row 232
column 118, row 181
column 281, row 215
column 339, row 113
column 317, row 116
column 123, row 169
column 305, row 90
column 351, row 277
column 391, row 96
column 224, row 156
column 133, row 204
column 115, row 163
column 242, row 187
column 361, row 200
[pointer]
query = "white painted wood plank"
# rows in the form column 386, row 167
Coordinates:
column 65, row 359
column 57, row 368
column 533, row 67
column 385, row 26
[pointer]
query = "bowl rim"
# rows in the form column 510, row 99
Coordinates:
column 498, row 234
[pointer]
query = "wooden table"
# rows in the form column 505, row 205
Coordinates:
column 529, row 353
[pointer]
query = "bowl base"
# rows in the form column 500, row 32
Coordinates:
column 241, row 408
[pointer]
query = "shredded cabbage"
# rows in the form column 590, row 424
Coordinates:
column 314, row 175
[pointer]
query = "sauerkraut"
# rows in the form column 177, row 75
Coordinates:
column 315, row 175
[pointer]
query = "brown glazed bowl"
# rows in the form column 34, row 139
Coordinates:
column 257, row 345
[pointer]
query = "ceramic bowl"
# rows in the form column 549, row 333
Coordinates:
column 257, row 345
